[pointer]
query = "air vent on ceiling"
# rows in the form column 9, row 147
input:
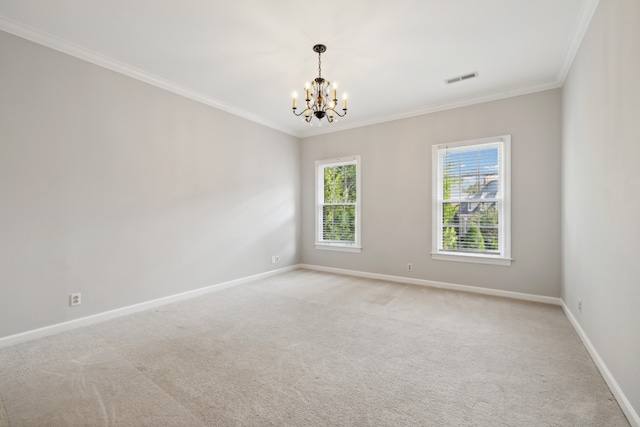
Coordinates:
column 461, row 78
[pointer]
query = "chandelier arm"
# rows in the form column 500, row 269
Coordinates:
column 337, row 113
column 306, row 118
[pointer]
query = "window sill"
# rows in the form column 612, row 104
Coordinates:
column 472, row 258
column 339, row 248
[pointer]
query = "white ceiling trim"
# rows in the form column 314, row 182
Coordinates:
column 583, row 20
column 440, row 107
column 64, row 46
column 586, row 14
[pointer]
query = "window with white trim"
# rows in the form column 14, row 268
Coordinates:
column 472, row 201
column 338, row 204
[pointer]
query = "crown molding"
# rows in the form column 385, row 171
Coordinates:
column 525, row 90
column 18, row 29
column 23, row 31
column 584, row 19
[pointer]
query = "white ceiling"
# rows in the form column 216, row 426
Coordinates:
column 248, row 56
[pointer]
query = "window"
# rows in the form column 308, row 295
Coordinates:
column 472, row 201
column 338, row 204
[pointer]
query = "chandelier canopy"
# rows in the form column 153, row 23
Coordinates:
column 318, row 102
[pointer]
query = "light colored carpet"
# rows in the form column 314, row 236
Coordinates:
column 313, row 349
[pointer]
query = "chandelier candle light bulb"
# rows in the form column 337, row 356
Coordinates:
column 318, row 102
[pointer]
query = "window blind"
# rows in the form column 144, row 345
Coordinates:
column 470, row 198
column 338, row 204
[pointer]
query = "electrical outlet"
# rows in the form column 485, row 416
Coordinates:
column 409, row 266
column 580, row 305
column 277, row 258
column 75, row 299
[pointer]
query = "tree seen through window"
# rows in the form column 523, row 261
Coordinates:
column 339, row 207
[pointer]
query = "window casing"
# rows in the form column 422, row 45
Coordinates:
column 338, row 204
column 472, row 201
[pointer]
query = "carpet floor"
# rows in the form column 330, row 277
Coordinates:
column 306, row 348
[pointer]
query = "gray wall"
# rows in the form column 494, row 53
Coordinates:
column 396, row 193
column 126, row 193
column 601, row 189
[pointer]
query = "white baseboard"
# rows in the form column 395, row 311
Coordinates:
column 627, row 408
column 119, row 312
column 624, row 403
column 441, row 285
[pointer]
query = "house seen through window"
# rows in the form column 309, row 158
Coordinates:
column 472, row 201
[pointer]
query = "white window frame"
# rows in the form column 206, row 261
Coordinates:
column 354, row 246
column 504, row 257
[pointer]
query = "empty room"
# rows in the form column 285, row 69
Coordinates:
column 358, row 213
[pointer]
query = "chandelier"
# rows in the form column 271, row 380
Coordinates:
column 318, row 102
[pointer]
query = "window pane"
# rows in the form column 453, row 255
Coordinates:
column 470, row 227
column 471, row 173
column 340, row 184
column 472, row 193
column 451, row 226
column 338, row 223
